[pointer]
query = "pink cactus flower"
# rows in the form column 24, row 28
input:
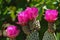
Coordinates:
column 27, row 15
column 31, row 12
column 51, row 15
column 22, row 18
column 12, row 31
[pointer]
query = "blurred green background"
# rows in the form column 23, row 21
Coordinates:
column 10, row 8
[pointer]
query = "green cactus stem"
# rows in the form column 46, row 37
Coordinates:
column 33, row 35
column 33, row 27
column 50, row 33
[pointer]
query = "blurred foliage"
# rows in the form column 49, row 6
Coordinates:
column 10, row 8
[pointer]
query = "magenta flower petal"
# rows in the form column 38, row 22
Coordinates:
column 31, row 12
column 12, row 31
column 22, row 18
column 28, row 14
column 51, row 15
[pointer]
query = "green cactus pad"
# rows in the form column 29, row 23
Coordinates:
column 48, row 36
column 33, row 36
